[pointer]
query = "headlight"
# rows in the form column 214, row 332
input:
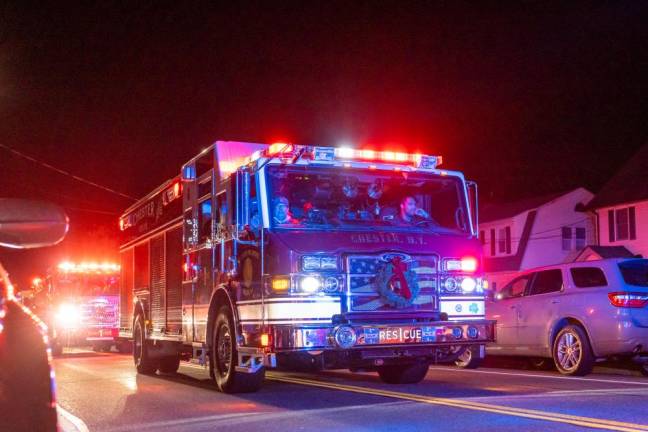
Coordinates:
column 331, row 284
column 319, row 262
column 450, row 284
column 310, row 284
column 468, row 285
column 68, row 316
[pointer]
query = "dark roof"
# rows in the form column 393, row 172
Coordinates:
column 628, row 185
column 608, row 252
column 491, row 212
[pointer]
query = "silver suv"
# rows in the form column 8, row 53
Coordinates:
column 575, row 314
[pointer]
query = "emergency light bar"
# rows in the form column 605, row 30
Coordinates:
column 330, row 154
column 232, row 155
column 88, row 267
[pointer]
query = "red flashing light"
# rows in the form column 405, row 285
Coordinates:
column 468, row 264
column 628, row 299
column 277, row 149
column 378, row 156
column 176, row 189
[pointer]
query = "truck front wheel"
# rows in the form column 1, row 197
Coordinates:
column 143, row 363
column 224, row 358
column 469, row 359
column 403, row 374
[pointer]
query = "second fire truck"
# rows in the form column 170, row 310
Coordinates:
column 259, row 256
column 80, row 303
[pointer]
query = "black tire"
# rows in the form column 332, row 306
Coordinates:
column 571, row 352
column 467, row 360
column 403, row 374
column 143, row 363
column 169, row 365
column 542, row 363
column 106, row 348
column 224, row 358
column 96, row 348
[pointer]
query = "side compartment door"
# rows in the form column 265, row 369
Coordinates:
column 537, row 310
column 505, row 310
column 173, row 248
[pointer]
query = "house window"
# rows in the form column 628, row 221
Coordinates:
column 566, row 238
column 492, row 242
column 622, row 224
column 501, row 243
column 580, row 238
column 482, row 237
column 504, row 240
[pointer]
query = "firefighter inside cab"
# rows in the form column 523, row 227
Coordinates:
column 258, row 256
column 80, row 302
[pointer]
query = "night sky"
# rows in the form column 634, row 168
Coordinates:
column 524, row 97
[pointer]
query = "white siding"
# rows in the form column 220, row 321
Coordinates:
column 637, row 246
column 545, row 243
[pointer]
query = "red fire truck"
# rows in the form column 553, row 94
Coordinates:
column 82, row 304
column 259, row 256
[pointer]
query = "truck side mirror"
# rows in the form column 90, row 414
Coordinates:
column 29, row 224
column 473, row 203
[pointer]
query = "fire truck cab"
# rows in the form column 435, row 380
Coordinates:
column 259, row 256
column 81, row 302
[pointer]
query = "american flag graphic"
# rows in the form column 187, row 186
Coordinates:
column 364, row 296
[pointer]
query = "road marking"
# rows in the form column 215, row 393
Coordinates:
column 179, row 422
column 222, row 420
column 469, row 405
column 563, row 394
column 74, row 420
column 546, row 376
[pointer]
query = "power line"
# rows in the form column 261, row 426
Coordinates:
column 92, row 211
column 69, row 174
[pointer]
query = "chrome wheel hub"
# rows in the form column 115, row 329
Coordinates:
column 569, row 351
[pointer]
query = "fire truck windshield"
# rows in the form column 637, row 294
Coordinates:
column 86, row 285
column 323, row 198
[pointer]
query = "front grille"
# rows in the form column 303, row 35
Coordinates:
column 362, row 292
column 100, row 312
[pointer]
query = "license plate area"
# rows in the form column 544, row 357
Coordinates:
column 395, row 335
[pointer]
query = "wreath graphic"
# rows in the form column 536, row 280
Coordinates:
column 397, row 285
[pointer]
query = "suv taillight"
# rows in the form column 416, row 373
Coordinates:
column 628, row 299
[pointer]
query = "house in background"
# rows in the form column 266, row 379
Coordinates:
column 534, row 232
column 593, row 253
column 621, row 207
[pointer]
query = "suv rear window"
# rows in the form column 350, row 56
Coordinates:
column 635, row 272
column 588, row 277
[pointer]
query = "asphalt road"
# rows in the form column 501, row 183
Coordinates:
column 104, row 391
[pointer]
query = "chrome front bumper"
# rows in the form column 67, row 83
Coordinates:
column 358, row 336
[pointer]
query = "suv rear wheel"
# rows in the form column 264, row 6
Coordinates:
column 572, row 353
